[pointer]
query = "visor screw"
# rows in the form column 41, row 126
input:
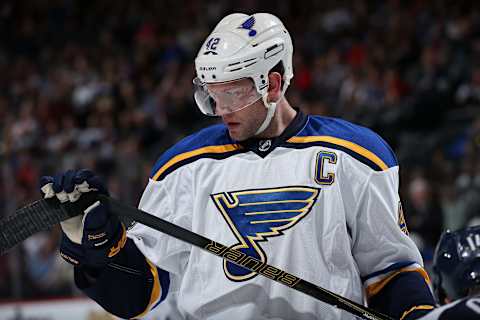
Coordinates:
column 203, row 76
column 214, row 76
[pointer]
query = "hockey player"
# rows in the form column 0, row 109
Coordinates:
column 456, row 275
column 315, row 196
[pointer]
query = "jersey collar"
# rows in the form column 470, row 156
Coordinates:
column 263, row 146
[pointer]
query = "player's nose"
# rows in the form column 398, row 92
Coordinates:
column 228, row 117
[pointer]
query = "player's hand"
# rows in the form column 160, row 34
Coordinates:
column 93, row 238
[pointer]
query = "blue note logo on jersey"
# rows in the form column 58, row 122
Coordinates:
column 255, row 215
column 248, row 25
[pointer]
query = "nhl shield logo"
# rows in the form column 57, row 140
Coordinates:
column 264, row 145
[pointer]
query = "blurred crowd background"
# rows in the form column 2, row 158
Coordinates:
column 107, row 85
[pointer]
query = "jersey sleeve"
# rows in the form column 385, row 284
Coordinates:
column 170, row 194
column 127, row 287
column 171, row 200
column 380, row 244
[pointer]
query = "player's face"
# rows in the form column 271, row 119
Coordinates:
column 239, row 105
column 244, row 123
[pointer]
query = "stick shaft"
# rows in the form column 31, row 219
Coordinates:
column 237, row 257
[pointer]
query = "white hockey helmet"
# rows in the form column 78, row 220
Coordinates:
column 243, row 46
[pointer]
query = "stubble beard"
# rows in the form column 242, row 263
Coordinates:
column 245, row 131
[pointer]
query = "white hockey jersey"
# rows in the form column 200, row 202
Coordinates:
column 320, row 202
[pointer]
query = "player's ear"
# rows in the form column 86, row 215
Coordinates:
column 274, row 86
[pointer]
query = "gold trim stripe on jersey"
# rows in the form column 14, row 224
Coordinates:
column 156, row 290
column 183, row 156
column 343, row 143
column 421, row 307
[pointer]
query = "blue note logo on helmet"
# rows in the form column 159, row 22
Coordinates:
column 248, row 25
column 456, row 263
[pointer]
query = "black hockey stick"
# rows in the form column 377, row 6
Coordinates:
column 43, row 214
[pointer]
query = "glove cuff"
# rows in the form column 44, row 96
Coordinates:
column 71, row 252
column 103, row 245
column 89, row 255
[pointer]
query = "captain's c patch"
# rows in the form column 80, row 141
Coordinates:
column 255, row 215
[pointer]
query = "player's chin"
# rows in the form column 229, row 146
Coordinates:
column 236, row 133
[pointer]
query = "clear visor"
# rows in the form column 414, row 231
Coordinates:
column 216, row 99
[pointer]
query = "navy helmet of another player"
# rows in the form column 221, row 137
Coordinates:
column 456, row 264
column 242, row 47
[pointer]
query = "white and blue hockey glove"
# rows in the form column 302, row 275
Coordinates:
column 91, row 239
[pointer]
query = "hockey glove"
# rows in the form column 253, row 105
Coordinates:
column 91, row 239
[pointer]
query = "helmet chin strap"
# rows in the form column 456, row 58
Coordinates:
column 271, row 107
